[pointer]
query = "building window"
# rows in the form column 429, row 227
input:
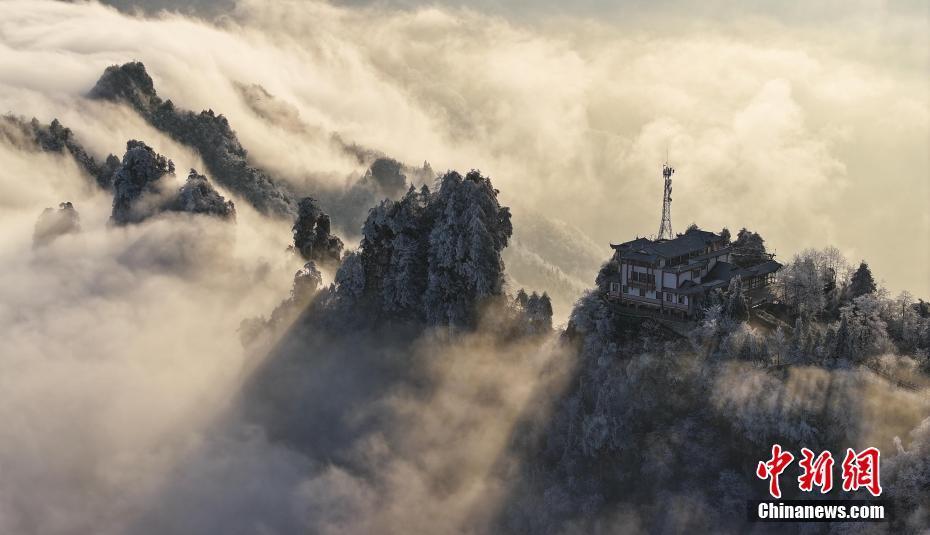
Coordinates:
column 648, row 278
column 681, row 299
column 642, row 293
column 668, row 297
column 614, row 287
column 626, row 289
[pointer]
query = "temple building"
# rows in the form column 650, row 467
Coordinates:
column 674, row 276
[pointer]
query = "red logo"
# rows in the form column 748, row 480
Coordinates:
column 772, row 468
column 817, row 471
column 860, row 470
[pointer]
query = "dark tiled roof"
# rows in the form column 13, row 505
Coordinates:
column 721, row 271
column 720, row 275
column 636, row 255
column 695, row 240
column 633, row 244
column 697, row 289
column 679, row 246
column 769, row 266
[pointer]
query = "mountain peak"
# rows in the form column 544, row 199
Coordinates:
column 129, row 83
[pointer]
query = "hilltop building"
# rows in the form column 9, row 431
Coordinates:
column 675, row 276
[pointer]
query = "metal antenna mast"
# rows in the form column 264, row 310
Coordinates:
column 665, row 227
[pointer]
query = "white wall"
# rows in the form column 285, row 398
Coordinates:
column 669, row 280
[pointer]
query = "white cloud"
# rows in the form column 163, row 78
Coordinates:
column 809, row 136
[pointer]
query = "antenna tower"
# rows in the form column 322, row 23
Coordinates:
column 665, row 227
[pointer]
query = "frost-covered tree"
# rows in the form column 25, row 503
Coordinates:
column 538, row 311
column 779, row 346
column 737, row 308
column 907, row 474
column 862, row 282
column 140, row 190
column 313, row 238
column 808, row 342
column 803, row 284
column 434, row 256
column 525, row 314
column 834, row 267
column 812, row 283
column 748, row 249
column 922, row 308
column 136, row 184
column 307, row 281
column 469, row 232
column 198, row 196
column 904, row 322
column 350, row 279
column 705, row 337
column 862, row 332
column 405, row 277
column 840, row 340
column 744, row 343
column 392, row 254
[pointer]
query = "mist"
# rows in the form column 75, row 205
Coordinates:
column 815, row 121
column 131, row 402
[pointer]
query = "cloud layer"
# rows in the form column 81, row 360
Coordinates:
column 120, row 363
column 810, row 136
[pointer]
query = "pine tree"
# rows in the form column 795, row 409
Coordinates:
column 198, row 196
column 737, row 308
column 350, row 278
column 545, row 306
column 459, row 230
column 799, row 338
column 748, row 249
column 842, row 341
column 139, row 174
column 313, row 238
column 862, row 282
column 537, row 311
column 521, row 299
column 469, row 232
